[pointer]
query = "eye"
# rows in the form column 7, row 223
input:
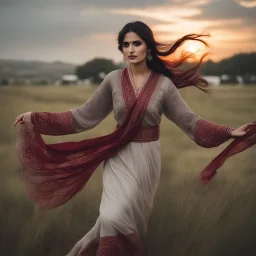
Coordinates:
column 125, row 44
column 137, row 43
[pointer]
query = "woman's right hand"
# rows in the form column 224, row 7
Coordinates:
column 20, row 118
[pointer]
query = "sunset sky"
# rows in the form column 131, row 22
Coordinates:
column 78, row 30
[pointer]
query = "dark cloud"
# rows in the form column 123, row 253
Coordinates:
column 38, row 24
column 226, row 9
column 82, row 3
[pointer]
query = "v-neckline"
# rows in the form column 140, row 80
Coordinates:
column 137, row 90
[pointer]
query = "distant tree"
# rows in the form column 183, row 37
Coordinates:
column 4, row 82
column 240, row 64
column 94, row 68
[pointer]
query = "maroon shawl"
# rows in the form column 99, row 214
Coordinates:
column 238, row 145
column 54, row 173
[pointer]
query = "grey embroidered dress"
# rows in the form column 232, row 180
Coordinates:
column 131, row 177
column 131, row 168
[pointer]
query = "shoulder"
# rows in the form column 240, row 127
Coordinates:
column 166, row 83
column 166, row 80
column 114, row 73
column 114, row 76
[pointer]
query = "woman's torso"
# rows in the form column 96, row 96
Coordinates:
column 154, row 110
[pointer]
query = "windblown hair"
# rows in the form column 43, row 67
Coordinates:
column 181, row 78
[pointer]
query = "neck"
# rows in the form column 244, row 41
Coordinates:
column 139, row 68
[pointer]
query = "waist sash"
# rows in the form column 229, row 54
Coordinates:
column 147, row 134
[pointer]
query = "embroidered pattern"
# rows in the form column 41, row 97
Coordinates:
column 91, row 250
column 238, row 145
column 53, row 123
column 129, row 94
column 54, row 173
column 118, row 246
column 136, row 90
column 147, row 134
column 208, row 134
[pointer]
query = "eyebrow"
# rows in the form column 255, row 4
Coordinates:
column 132, row 41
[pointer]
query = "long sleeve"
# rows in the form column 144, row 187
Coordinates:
column 53, row 123
column 204, row 133
column 93, row 111
column 78, row 119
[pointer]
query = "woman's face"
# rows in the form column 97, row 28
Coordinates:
column 133, row 45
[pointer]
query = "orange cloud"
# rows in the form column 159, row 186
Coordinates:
column 166, row 14
column 172, row 22
column 247, row 4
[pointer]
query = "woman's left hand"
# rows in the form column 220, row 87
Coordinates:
column 242, row 130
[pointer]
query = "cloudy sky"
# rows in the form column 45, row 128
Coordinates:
column 78, row 30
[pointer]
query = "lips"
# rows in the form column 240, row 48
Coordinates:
column 132, row 56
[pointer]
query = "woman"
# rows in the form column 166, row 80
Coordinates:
column 138, row 95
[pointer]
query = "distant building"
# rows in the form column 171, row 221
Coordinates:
column 102, row 75
column 213, row 80
column 69, row 79
column 240, row 79
column 229, row 79
column 249, row 79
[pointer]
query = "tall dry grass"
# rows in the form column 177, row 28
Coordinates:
column 188, row 218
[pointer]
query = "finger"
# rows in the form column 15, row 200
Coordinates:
column 239, row 134
column 20, row 116
column 14, row 124
column 17, row 121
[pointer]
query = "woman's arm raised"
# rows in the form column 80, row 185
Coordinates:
column 75, row 120
column 204, row 133
column 98, row 107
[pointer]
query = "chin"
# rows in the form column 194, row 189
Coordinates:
column 135, row 61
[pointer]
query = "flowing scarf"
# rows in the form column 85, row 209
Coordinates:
column 238, row 145
column 54, row 173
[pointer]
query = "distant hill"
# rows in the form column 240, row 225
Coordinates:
column 34, row 69
column 240, row 64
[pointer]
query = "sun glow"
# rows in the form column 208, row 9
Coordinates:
column 197, row 49
column 192, row 48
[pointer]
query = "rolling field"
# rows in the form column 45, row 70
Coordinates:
column 188, row 219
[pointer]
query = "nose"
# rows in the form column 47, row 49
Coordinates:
column 131, row 49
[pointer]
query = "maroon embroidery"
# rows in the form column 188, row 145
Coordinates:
column 118, row 246
column 147, row 134
column 208, row 134
column 91, row 250
column 137, row 90
column 53, row 123
column 144, row 96
column 54, row 173
column 128, row 92
column 238, row 145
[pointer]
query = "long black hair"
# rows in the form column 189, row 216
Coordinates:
column 181, row 78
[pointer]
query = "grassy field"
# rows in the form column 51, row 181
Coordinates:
column 188, row 218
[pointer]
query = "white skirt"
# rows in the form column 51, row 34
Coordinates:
column 130, row 182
